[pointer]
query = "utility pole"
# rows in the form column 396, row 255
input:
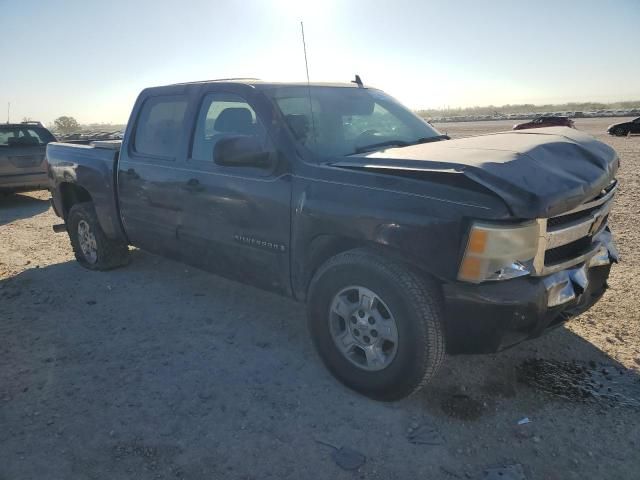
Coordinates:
column 8, row 111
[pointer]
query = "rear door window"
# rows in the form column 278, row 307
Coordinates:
column 160, row 126
column 24, row 137
column 5, row 135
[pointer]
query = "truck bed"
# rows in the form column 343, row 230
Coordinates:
column 61, row 156
column 88, row 172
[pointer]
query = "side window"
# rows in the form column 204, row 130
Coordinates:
column 5, row 135
column 44, row 136
column 222, row 115
column 22, row 137
column 34, row 137
column 160, row 126
column 25, row 137
column 8, row 137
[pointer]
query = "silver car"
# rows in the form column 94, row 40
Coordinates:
column 22, row 151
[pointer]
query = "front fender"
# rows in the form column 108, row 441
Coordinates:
column 329, row 218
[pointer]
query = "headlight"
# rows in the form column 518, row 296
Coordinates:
column 499, row 252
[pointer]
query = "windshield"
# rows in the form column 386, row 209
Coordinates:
column 346, row 120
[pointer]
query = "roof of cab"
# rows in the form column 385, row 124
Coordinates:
column 22, row 124
column 255, row 82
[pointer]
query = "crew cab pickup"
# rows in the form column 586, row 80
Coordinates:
column 404, row 244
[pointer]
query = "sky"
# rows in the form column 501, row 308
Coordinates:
column 90, row 58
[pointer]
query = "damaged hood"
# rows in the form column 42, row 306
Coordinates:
column 538, row 173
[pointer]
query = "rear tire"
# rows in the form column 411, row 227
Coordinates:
column 398, row 297
column 92, row 248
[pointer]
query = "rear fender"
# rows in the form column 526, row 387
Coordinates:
column 80, row 173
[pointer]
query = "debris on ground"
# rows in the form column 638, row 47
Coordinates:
column 463, row 407
column 424, row 434
column 504, row 472
column 575, row 381
column 523, row 432
column 449, row 473
column 524, row 421
column 345, row 457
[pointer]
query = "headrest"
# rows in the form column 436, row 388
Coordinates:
column 235, row 120
column 22, row 141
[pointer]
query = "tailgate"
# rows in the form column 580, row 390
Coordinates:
column 22, row 160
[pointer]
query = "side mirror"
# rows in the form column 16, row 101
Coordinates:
column 241, row 151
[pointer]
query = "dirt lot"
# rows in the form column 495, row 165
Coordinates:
column 162, row 371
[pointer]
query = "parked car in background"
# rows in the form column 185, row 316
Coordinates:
column 86, row 137
column 624, row 128
column 546, row 122
column 22, row 156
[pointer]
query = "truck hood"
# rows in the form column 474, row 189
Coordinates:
column 538, row 173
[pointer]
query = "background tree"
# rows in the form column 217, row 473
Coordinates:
column 66, row 124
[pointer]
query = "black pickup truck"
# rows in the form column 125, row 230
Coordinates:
column 404, row 244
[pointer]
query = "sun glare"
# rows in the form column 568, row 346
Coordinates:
column 304, row 10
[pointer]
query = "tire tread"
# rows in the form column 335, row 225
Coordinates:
column 423, row 293
column 111, row 254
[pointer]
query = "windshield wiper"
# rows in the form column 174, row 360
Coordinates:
column 388, row 143
column 399, row 143
column 430, row 139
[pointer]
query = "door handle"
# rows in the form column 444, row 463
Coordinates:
column 132, row 173
column 193, row 185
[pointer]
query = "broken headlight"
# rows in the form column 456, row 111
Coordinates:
column 499, row 252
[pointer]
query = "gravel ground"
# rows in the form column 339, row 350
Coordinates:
column 162, row 371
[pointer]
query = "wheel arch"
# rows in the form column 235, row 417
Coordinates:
column 71, row 194
column 416, row 303
column 68, row 194
column 324, row 247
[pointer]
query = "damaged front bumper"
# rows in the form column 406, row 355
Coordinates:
column 490, row 317
column 567, row 285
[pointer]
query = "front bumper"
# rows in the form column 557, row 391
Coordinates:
column 494, row 316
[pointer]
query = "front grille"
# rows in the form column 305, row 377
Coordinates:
column 568, row 251
column 554, row 222
column 568, row 239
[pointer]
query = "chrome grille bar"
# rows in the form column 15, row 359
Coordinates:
column 591, row 225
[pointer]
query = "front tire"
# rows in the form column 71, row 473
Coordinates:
column 376, row 323
column 92, row 248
